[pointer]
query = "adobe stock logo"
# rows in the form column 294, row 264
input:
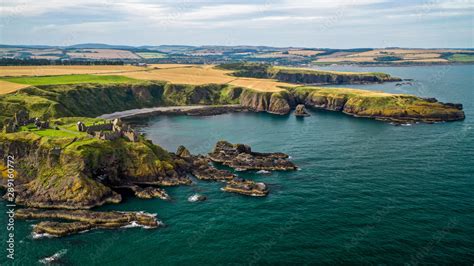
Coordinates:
column 10, row 213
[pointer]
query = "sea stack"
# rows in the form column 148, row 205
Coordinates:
column 300, row 111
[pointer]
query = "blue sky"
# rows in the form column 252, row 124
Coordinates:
column 324, row 23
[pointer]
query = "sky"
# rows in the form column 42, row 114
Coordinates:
column 281, row 23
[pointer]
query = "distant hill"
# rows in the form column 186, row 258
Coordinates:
column 100, row 46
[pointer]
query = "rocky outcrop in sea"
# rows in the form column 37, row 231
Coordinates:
column 241, row 157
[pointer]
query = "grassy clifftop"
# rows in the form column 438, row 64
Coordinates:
column 378, row 105
column 305, row 75
column 92, row 99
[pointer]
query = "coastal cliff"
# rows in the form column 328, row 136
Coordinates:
column 305, row 75
column 271, row 102
column 91, row 100
column 67, row 169
column 379, row 105
column 360, row 103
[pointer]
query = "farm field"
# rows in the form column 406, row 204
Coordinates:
column 68, row 79
column 150, row 55
column 204, row 74
column 102, row 54
column 462, row 57
column 17, row 77
column 7, row 87
column 15, row 71
column 396, row 56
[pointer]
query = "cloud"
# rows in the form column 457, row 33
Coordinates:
column 252, row 20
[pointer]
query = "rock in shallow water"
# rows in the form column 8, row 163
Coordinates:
column 300, row 110
column 150, row 193
column 246, row 187
column 82, row 220
column 197, row 197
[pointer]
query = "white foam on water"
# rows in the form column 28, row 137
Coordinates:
column 39, row 236
column 263, row 172
column 134, row 224
column 53, row 258
column 193, row 198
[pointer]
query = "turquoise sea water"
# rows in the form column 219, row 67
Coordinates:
column 367, row 193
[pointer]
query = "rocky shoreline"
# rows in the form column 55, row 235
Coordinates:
column 83, row 220
column 191, row 110
column 61, row 178
column 398, row 108
column 69, row 180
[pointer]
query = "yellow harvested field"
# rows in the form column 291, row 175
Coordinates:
column 174, row 73
column 48, row 57
column 7, row 87
column 428, row 60
column 103, row 54
column 406, row 55
column 202, row 74
column 411, row 51
column 304, row 52
column 184, row 75
column 261, row 84
column 344, row 59
column 10, row 71
column 174, row 65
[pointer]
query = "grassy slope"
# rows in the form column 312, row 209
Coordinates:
column 462, row 58
column 70, row 178
column 69, row 79
column 92, row 99
column 308, row 71
column 258, row 70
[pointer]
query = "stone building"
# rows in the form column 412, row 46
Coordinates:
column 109, row 131
column 22, row 118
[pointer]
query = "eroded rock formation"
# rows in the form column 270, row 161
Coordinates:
column 399, row 108
column 241, row 157
column 300, row 110
column 81, row 220
column 246, row 187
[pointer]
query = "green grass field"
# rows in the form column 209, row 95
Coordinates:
column 66, row 127
column 69, row 79
column 462, row 57
column 51, row 132
column 151, row 55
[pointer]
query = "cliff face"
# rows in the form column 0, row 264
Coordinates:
column 271, row 102
column 379, row 105
column 295, row 75
column 78, row 172
column 94, row 99
column 41, row 183
column 305, row 75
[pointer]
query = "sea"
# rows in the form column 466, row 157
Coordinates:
column 366, row 192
